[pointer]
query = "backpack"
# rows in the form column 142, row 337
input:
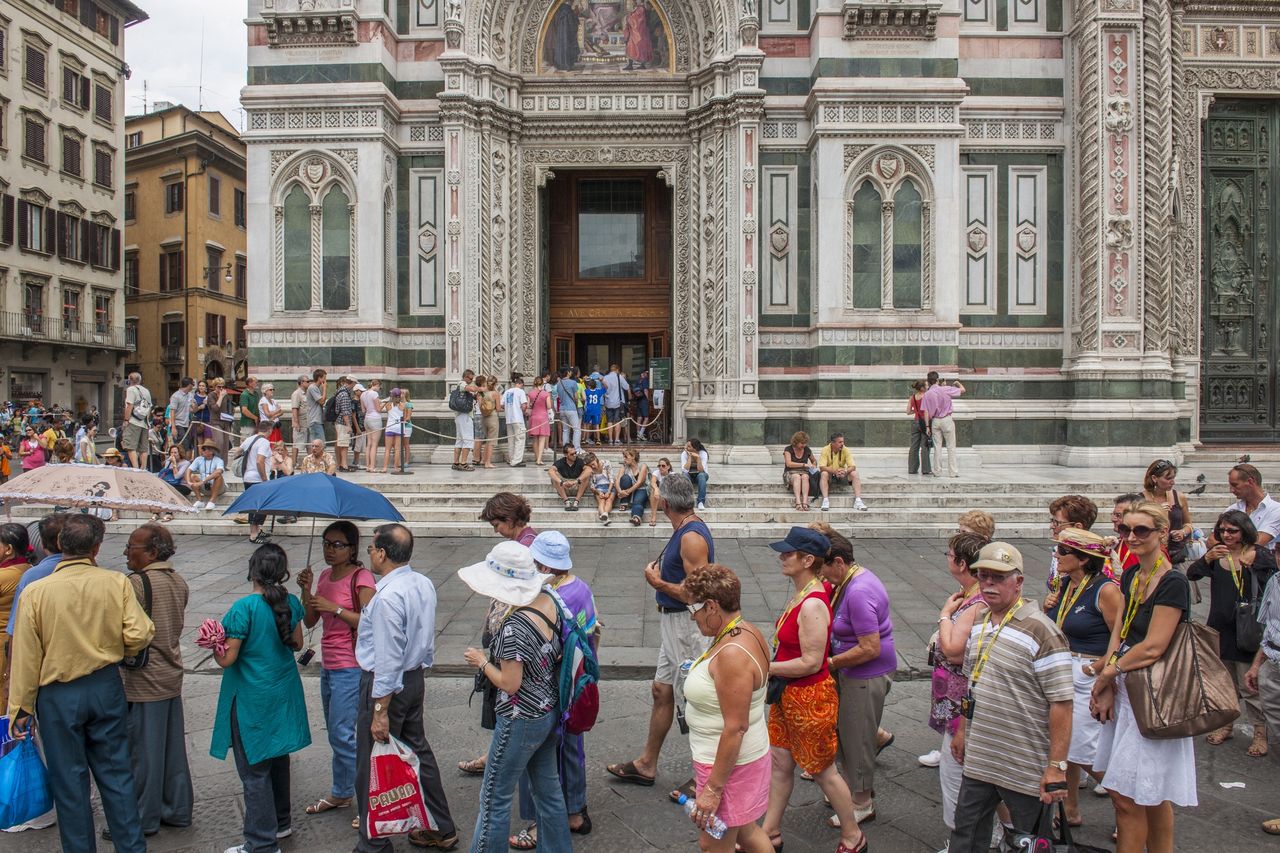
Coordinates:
column 237, row 464
column 460, row 401
column 487, row 406
column 142, row 408
column 331, row 409
column 579, row 674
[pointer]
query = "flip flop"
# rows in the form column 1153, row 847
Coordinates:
column 522, row 840
column 324, row 804
column 628, row 773
column 688, row 789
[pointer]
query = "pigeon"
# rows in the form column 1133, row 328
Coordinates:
column 1199, row 490
column 1244, row 458
column 1200, row 478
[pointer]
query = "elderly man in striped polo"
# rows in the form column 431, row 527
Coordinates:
column 1016, row 717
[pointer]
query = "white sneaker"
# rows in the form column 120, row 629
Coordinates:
column 210, row 505
column 931, row 759
column 826, row 504
column 859, row 505
column 1099, row 790
column 285, row 833
column 701, row 506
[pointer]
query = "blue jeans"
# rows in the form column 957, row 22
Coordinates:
column 83, row 726
column 573, row 779
column 571, row 427
column 639, row 498
column 340, row 696
column 700, row 480
column 315, row 431
column 266, row 795
column 519, row 746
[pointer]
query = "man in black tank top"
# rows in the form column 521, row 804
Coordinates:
column 690, row 547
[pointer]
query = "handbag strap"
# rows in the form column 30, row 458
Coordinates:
column 146, row 591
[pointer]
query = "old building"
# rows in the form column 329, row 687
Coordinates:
column 805, row 204
column 185, row 261
column 62, row 76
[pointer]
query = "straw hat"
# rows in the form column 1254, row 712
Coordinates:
column 1085, row 541
column 507, row 575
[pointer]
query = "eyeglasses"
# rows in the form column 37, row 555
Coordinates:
column 1055, row 523
column 333, row 543
column 371, row 549
column 1141, row 531
column 694, row 608
column 949, row 554
column 995, row 577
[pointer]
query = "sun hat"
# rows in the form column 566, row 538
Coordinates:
column 507, row 575
column 998, row 557
column 1085, row 541
column 111, row 452
column 551, row 549
column 357, row 386
column 208, row 444
column 804, row 540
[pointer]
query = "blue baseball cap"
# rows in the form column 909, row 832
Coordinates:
column 804, row 540
column 551, row 549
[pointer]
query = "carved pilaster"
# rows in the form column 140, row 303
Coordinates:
column 317, row 222
column 1157, row 194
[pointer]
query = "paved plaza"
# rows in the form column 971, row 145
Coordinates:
column 629, row 818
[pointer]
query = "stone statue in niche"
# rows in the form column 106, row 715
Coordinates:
column 595, row 36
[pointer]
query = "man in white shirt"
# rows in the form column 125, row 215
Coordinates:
column 616, row 391
column 297, row 400
column 1246, row 484
column 205, row 474
column 515, row 402
column 257, row 466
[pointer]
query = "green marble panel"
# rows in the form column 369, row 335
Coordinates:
column 1015, row 87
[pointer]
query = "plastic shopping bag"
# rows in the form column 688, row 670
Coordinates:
column 396, row 805
column 24, row 785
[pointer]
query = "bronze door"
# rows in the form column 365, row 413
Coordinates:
column 1240, row 349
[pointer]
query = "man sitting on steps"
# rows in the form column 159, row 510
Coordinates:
column 569, row 475
column 836, row 464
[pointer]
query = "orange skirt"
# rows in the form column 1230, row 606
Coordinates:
column 804, row 722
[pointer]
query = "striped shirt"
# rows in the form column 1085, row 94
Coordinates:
column 1007, row 741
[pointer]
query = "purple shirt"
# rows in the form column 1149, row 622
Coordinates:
column 581, row 603
column 937, row 400
column 864, row 609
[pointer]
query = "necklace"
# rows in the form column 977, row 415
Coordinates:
column 1065, row 607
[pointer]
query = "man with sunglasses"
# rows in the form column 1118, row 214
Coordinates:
column 1246, row 484
column 1019, row 669
column 1122, row 557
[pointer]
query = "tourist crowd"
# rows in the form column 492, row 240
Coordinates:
column 1030, row 692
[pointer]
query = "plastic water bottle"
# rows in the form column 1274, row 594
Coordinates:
column 717, row 828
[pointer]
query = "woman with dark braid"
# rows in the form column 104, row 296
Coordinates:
column 262, row 715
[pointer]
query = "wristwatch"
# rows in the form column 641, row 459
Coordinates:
column 378, row 707
column 338, row 612
column 1059, row 765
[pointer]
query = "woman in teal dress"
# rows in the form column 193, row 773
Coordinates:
column 262, row 715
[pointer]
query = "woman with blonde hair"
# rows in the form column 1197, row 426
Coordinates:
column 798, row 468
column 1145, row 777
column 977, row 521
column 487, row 405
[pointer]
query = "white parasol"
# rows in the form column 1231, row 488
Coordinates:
column 106, row 486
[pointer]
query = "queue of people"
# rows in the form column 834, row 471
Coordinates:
column 1029, row 693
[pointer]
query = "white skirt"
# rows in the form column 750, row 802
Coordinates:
column 1146, row 770
column 1084, row 728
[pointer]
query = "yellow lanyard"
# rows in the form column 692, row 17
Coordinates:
column 1066, row 606
column 1237, row 575
column 835, row 599
column 982, row 654
column 777, row 626
column 1135, row 599
column 733, row 623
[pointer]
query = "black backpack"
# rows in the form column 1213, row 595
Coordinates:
column 331, row 409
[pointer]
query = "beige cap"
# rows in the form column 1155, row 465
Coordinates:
column 998, row 557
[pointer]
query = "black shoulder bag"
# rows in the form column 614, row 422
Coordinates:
column 1248, row 629
column 139, row 660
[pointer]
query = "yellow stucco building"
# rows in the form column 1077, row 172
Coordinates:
column 185, row 264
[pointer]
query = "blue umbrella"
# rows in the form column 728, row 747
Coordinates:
column 317, row 495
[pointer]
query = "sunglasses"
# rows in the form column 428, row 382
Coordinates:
column 333, row 543
column 1162, row 466
column 1141, row 531
column 694, row 608
column 1232, row 530
column 1063, row 551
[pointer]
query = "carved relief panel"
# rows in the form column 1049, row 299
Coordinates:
column 1239, row 286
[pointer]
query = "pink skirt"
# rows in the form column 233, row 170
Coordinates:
column 746, row 793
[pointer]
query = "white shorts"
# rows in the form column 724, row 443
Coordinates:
column 466, row 430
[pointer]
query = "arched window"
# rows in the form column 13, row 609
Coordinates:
column 907, row 246
column 314, row 237
column 335, row 270
column 866, row 247
column 297, row 250
column 888, row 233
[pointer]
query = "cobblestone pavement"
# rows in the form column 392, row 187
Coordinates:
column 628, row 818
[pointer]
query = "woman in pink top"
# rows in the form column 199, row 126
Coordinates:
column 540, row 417
column 342, row 592
column 32, row 451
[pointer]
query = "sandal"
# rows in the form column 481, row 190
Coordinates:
column 466, row 466
column 1223, row 734
column 635, row 521
column 324, row 804
column 688, row 789
column 583, row 828
column 628, row 773
column 1271, row 827
column 861, row 848
column 568, row 505
column 168, row 516
column 1258, row 748
column 524, row 839
column 474, row 767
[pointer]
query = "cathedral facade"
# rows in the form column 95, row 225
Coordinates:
column 788, row 209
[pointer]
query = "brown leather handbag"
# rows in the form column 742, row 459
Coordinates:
column 1187, row 692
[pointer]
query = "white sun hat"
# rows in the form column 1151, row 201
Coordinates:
column 507, row 574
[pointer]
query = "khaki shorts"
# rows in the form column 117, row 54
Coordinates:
column 343, row 434
column 300, row 439
column 680, row 641
column 135, row 438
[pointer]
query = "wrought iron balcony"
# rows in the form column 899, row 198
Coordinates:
column 172, row 353
column 28, row 326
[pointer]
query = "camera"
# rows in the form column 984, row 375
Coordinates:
column 306, row 657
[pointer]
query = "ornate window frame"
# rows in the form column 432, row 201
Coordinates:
column 316, row 172
column 887, row 167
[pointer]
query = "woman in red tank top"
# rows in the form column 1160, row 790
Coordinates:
column 802, row 723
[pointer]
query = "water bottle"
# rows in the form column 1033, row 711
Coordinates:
column 717, row 828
